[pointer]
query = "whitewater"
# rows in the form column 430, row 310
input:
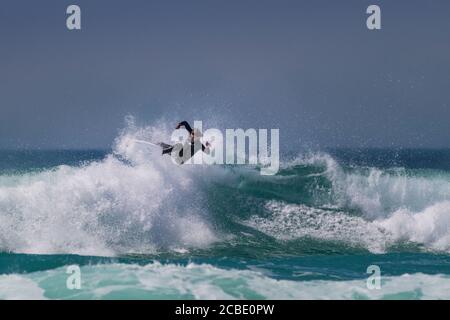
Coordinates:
column 194, row 231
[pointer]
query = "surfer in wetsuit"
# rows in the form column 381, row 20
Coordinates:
column 184, row 153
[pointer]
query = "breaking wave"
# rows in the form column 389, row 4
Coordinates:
column 136, row 201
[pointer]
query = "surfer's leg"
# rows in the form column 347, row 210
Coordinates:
column 166, row 148
column 167, row 151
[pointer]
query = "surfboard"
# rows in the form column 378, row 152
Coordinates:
column 176, row 148
column 162, row 145
column 149, row 143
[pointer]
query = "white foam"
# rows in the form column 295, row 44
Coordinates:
column 394, row 205
column 16, row 287
column 157, row 281
column 378, row 193
column 105, row 207
column 430, row 227
column 288, row 222
column 410, row 208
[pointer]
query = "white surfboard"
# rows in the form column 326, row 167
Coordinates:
column 147, row 142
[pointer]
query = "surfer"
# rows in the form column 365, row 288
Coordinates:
column 186, row 151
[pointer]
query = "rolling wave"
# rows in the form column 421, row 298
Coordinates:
column 135, row 201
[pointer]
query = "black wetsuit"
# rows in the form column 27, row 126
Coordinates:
column 167, row 149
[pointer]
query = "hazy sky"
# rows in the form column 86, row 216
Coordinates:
column 310, row 68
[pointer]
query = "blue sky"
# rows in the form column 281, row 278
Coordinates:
column 310, row 68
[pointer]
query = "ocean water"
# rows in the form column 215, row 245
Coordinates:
column 140, row 227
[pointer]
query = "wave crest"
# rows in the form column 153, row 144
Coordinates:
column 104, row 207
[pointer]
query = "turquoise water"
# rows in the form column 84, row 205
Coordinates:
column 140, row 227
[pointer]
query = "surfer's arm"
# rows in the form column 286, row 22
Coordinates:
column 185, row 125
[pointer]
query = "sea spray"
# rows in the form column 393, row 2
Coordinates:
column 134, row 201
